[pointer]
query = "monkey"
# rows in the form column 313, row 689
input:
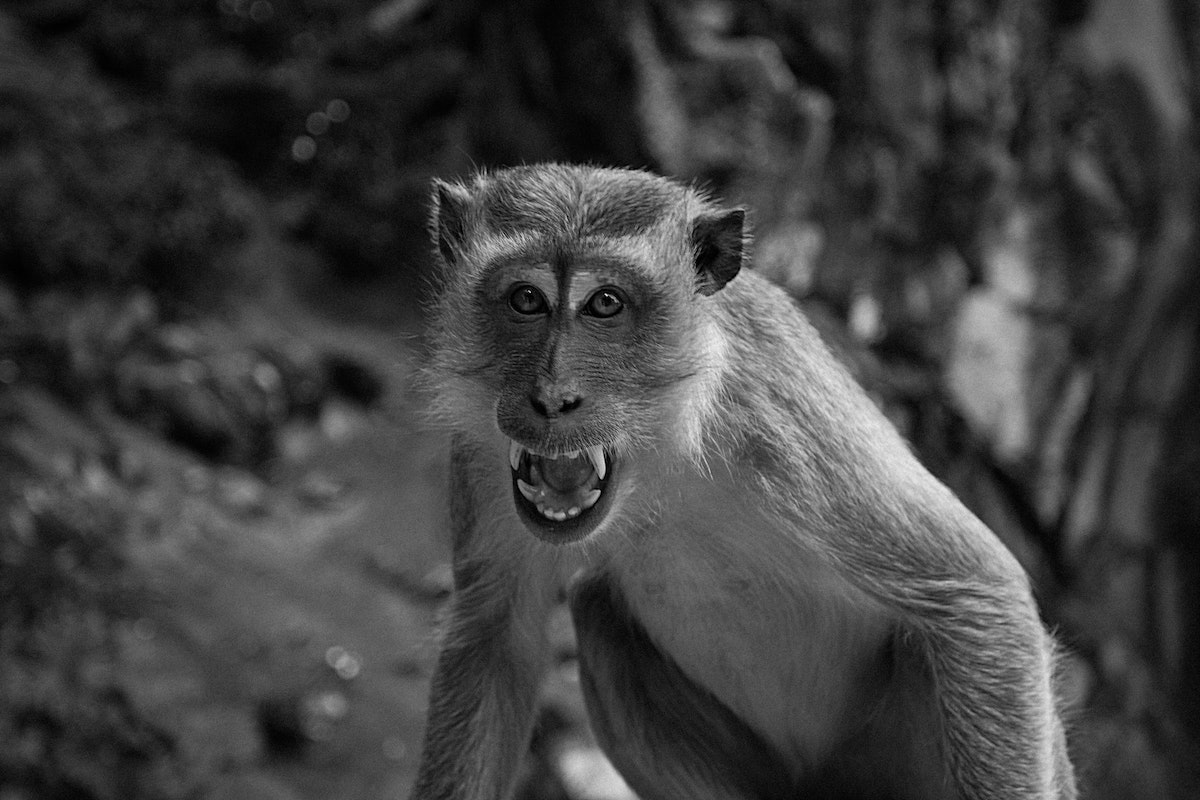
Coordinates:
column 772, row 597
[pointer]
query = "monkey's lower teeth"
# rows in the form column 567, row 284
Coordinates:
column 558, row 516
column 538, row 496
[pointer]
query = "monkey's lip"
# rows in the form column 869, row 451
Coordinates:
column 560, row 497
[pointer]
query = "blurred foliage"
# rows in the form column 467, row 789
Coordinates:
column 201, row 383
column 92, row 194
column 302, row 97
column 130, row 135
column 67, row 726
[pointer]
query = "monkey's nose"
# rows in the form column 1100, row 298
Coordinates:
column 550, row 404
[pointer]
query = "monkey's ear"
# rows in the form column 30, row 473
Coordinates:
column 448, row 225
column 718, row 241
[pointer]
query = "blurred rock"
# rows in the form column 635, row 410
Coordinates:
column 321, row 492
column 226, row 399
column 339, row 421
column 788, row 253
column 986, row 371
column 203, row 385
column 242, row 493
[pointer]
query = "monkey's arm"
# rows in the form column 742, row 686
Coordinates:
column 838, row 472
column 483, row 696
column 970, row 618
column 480, row 711
column 991, row 665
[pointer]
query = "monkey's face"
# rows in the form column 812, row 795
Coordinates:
column 587, row 362
column 576, row 319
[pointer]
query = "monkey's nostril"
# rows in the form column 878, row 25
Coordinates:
column 551, row 406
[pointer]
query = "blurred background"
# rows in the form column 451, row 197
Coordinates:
column 222, row 521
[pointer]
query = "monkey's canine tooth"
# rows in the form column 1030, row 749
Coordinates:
column 514, row 454
column 531, row 494
column 589, row 499
column 595, row 454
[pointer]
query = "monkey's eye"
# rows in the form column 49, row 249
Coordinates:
column 526, row 299
column 604, row 303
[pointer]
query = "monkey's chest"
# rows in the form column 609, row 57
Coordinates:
column 784, row 645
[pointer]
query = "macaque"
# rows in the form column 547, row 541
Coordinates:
column 772, row 597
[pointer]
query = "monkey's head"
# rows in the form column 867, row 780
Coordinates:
column 577, row 318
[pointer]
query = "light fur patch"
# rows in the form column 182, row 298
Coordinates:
column 750, row 610
column 697, row 398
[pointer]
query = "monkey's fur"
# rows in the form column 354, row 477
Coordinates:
column 772, row 597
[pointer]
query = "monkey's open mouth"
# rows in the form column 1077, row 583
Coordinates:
column 560, row 497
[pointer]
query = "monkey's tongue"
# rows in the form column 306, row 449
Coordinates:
column 561, row 487
column 563, row 474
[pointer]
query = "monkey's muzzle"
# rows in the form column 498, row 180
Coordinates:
column 558, row 494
